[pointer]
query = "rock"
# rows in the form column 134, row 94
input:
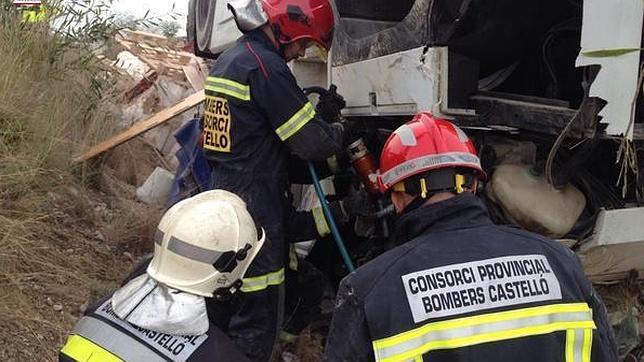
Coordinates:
column 58, row 307
column 73, row 191
column 83, row 307
column 99, row 236
column 49, row 301
column 128, row 256
column 156, row 189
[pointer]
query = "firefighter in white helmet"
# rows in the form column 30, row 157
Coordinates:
column 177, row 310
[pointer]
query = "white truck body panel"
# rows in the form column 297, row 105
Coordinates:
column 613, row 24
column 403, row 83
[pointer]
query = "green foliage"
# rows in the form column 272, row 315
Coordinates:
column 169, row 28
column 606, row 53
column 52, row 93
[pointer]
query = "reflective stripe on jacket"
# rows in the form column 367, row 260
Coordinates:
column 100, row 336
column 459, row 288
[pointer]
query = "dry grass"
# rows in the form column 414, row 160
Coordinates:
column 61, row 240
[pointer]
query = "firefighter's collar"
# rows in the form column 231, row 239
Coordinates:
column 149, row 304
column 459, row 212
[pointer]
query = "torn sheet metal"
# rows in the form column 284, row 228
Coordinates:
column 613, row 24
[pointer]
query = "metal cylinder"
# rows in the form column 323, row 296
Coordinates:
column 364, row 164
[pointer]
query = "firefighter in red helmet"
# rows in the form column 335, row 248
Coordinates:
column 457, row 287
column 256, row 117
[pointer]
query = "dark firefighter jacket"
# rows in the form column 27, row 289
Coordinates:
column 255, row 115
column 101, row 336
column 463, row 289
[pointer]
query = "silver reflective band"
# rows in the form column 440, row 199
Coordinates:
column 578, row 345
column 411, row 167
column 158, row 237
column 493, row 327
column 115, row 341
column 193, row 252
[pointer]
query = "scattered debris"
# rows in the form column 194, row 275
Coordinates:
column 156, row 189
column 142, row 126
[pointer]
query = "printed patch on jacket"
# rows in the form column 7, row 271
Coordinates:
column 461, row 288
column 177, row 348
column 217, row 124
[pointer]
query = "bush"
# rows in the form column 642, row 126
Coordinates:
column 53, row 96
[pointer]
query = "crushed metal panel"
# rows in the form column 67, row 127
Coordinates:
column 613, row 24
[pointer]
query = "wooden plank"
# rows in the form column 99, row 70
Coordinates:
column 196, row 78
column 142, row 127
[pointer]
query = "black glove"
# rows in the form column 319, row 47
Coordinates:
column 330, row 104
column 358, row 204
column 350, row 132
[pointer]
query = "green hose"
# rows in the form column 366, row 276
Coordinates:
column 329, row 218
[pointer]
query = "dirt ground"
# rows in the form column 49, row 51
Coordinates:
column 74, row 247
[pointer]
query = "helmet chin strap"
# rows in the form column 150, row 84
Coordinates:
column 226, row 293
column 277, row 34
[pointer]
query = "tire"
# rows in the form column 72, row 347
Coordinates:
column 204, row 11
column 190, row 23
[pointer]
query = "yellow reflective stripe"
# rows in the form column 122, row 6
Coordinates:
column 483, row 319
column 84, row 350
column 293, row 263
column 491, row 327
column 262, row 282
column 578, row 345
column 320, row 222
column 228, row 87
column 570, row 342
column 33, row 14
column 588, row 345
column 295, row 123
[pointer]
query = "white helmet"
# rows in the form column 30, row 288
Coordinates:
column 203, row 247
column 205, row 244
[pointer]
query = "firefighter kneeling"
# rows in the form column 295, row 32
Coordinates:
column 457, row 287
column 179, row 309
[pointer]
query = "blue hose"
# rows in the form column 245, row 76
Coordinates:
column 329, row 218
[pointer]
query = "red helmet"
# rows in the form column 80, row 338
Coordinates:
column 301, row 19
column 425, row 143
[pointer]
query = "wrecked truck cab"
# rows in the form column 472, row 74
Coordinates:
column 513, row 76
column 547, row 117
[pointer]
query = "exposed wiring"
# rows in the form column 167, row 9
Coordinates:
column 496, row 79
column 557, row 145
column 564, row 26
column 627, row 154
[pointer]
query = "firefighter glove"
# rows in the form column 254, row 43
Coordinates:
column 330, row 104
